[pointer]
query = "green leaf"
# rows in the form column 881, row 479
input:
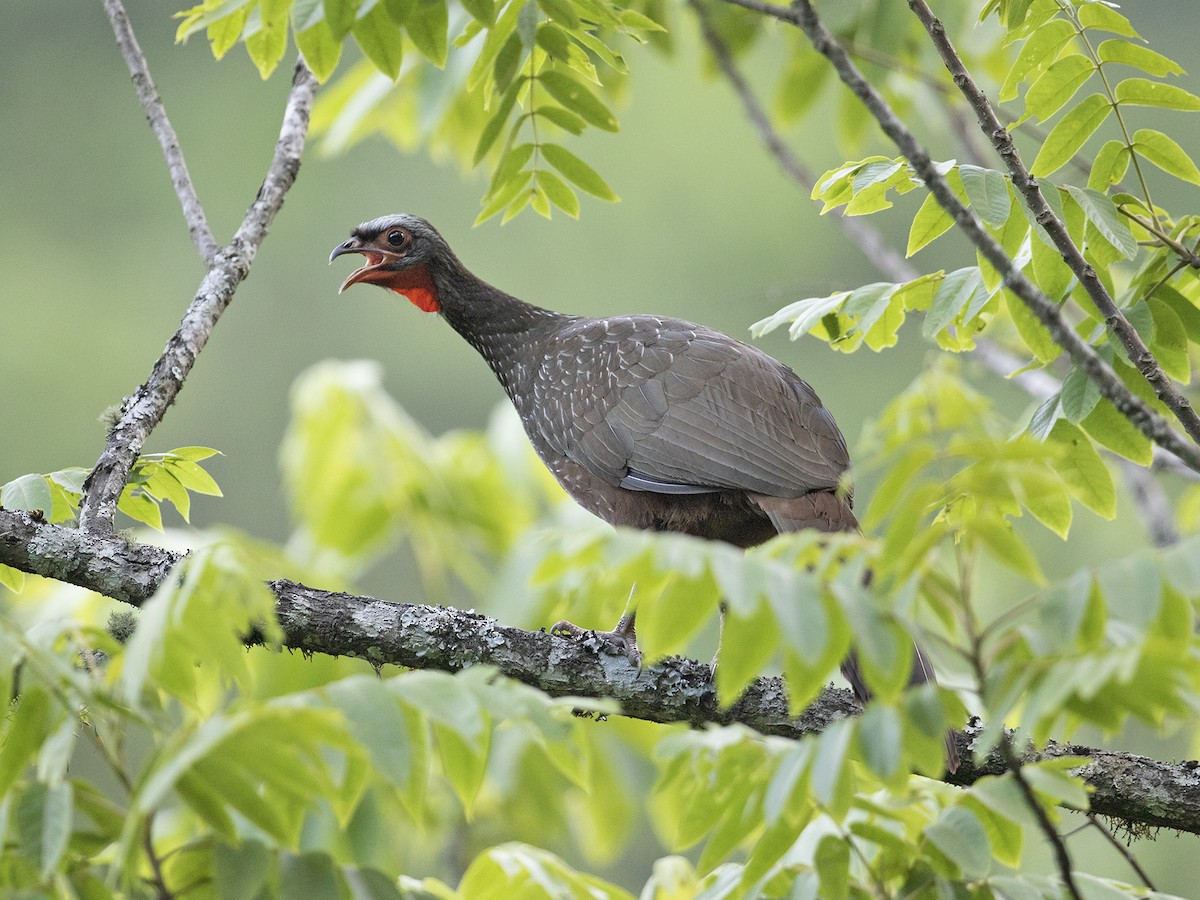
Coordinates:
column 1144, row 92
column 1163, row 152
column 29, row 725
column 959, row 834
column 930, row 222
column 1108, row 427
column 29, row 492
column 267, row 44
column 1033, row 333
column 381, row 40
column 1102, row 213
column 495, row 125
column 1079, row 395
column 1102, row 17
column 427, row 24
column 13, row 579
column 1109, row 166
column 192, row 477
column 321, row 50
column 564, row 119
column 801, row 84
column 953, row 295
column 1039, row 51
column 558, row 192
column 1170, row 341
column 1070, row 134
column 987, row 190
column 239, row 872
column 577, row 171
column 139, row 506
column 1007, row 546
column 1057, row 85
column 521, row 871
column 1083, row 470
column 578, row 99
column 832, row 862
column 1139, row 56
column 339, row 16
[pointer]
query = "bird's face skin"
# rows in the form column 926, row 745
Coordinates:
column 398, row 249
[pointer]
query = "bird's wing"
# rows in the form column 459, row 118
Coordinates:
column 667, row 406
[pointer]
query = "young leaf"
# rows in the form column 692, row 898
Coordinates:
column 1102, row 17
column 1139, row 56
column 1083, row 469
column 1070, row 134
column 987, row 190
column 577, row 171
column 1102, row 213
column 29, row 492
column 1144, row 92
column 558, row 192
column 1110, row 165
column 578, row 99
column 1163, row 152
column 321, row 50
column 427, row 24
column 930, row 222
column 1057, row 85
column 381, row 40
column 1039, row 51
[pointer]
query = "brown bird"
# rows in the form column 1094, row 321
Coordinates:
column 647, row 422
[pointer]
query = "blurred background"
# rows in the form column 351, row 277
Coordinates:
column 96, row 266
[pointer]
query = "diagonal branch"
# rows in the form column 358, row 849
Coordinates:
column 141, row 413
column 1151, row 498
column 1132, row 788
column 156, row 115
column 1146, row 420
column 1135, row 348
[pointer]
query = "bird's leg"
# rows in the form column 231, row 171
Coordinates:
column 622, row 640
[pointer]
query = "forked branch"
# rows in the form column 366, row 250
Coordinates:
column 141, row 413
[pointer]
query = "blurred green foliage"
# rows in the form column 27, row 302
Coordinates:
column 179, row 758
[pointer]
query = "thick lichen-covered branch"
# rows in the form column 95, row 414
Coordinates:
column 1137, row 790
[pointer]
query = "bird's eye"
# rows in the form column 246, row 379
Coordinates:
column 397, row 238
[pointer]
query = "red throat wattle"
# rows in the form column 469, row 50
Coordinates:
column 417, row 286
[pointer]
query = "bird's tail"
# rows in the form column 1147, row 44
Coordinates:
column 922, row 673
column 830, row 512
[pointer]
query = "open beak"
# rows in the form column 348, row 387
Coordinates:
column 376, row 259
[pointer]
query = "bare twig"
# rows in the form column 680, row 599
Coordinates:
column 156, row 115
column 1061, row 857
column 141, row 413
column 1135, row 348
column 1126, row 854
column 802, row 15
column 867, row 239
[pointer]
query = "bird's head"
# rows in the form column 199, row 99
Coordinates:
column 401, row 251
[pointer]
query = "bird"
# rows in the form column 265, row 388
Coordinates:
column 648, row 422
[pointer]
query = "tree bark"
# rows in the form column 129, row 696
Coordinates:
column 1140, row 792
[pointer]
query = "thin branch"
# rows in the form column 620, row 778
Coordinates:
column 156, row 115
column 141, row 413
column 1125, row 852
column 1131, row 788
column 1152, row 425
column 1061, row 857
column 867, row 239
column 1135, row 348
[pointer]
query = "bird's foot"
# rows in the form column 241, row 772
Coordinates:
column 621, row 641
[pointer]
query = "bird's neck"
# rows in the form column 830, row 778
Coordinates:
column 507, row 332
